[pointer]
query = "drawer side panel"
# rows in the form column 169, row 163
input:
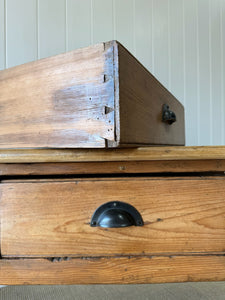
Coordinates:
column 142, row 98
column 65, row 101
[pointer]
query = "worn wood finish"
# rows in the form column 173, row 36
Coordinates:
column 101, row 155
column 125, row 167
column 95, row 97
column 181, row 215
column 59, row 101
column 141, row 100
column 183, row 238
column 113, row 270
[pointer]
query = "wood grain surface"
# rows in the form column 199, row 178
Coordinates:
column 113, row 270
column 95, row 97
column 62, row 101
column 102, row 155
column 125, row 167
column 181, row 215
column 141, row 100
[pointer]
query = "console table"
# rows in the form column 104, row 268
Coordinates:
column 48, row 199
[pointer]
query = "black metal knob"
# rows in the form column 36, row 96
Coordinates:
column 168, row 116
column 116, row 214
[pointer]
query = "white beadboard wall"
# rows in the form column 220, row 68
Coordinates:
column 182, row 42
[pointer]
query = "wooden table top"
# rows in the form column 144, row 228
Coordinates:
column 107, row 155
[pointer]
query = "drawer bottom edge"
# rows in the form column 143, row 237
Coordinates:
column 112, row 270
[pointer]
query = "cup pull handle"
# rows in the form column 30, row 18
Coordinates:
column 116, row 214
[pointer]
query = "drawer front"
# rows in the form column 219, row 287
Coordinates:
column 52, row 218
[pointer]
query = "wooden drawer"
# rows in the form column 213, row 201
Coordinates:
column 51, row 218
column 95, row 97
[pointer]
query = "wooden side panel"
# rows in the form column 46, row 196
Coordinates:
column 113, row 270
column 42, row 219
column 59, row 101
column 141, row 101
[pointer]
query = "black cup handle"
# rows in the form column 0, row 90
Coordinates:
column 116, row 214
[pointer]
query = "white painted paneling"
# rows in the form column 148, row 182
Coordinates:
column 176, row 49
column 191, row 78
column 51, row 27
column 21, row 38
column 182, row 42
column 78, row 23
column 161, row 41
column 143, row 32
column 204, row 71
column 124, row 23
column 222, row 17
column 216, row 72
column 2, row 35
column 102, row 20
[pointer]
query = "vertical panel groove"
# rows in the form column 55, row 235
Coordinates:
column 216, row 72
column 222, row 72
column 114, row 19
column 134, row 29
column 204, row 70
column 78, row 24
column 191, row 71
column 91, row 23
column 184, row 55
column 5, row 33
column 21, row 40
column 180, row 42
column 124, row 23
column 198, row 79
column 37, row 29
column 102, row 21
column 160, row 19
column 66, row 25
column 176, row 59
column 2, row 34
column 169, row 45
column 210, row 71
column 143, row 38
column 51, row 27
column 153, row 52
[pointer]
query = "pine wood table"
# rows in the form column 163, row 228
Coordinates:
column 48, row 197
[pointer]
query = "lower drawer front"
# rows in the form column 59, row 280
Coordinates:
column 52, row 218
